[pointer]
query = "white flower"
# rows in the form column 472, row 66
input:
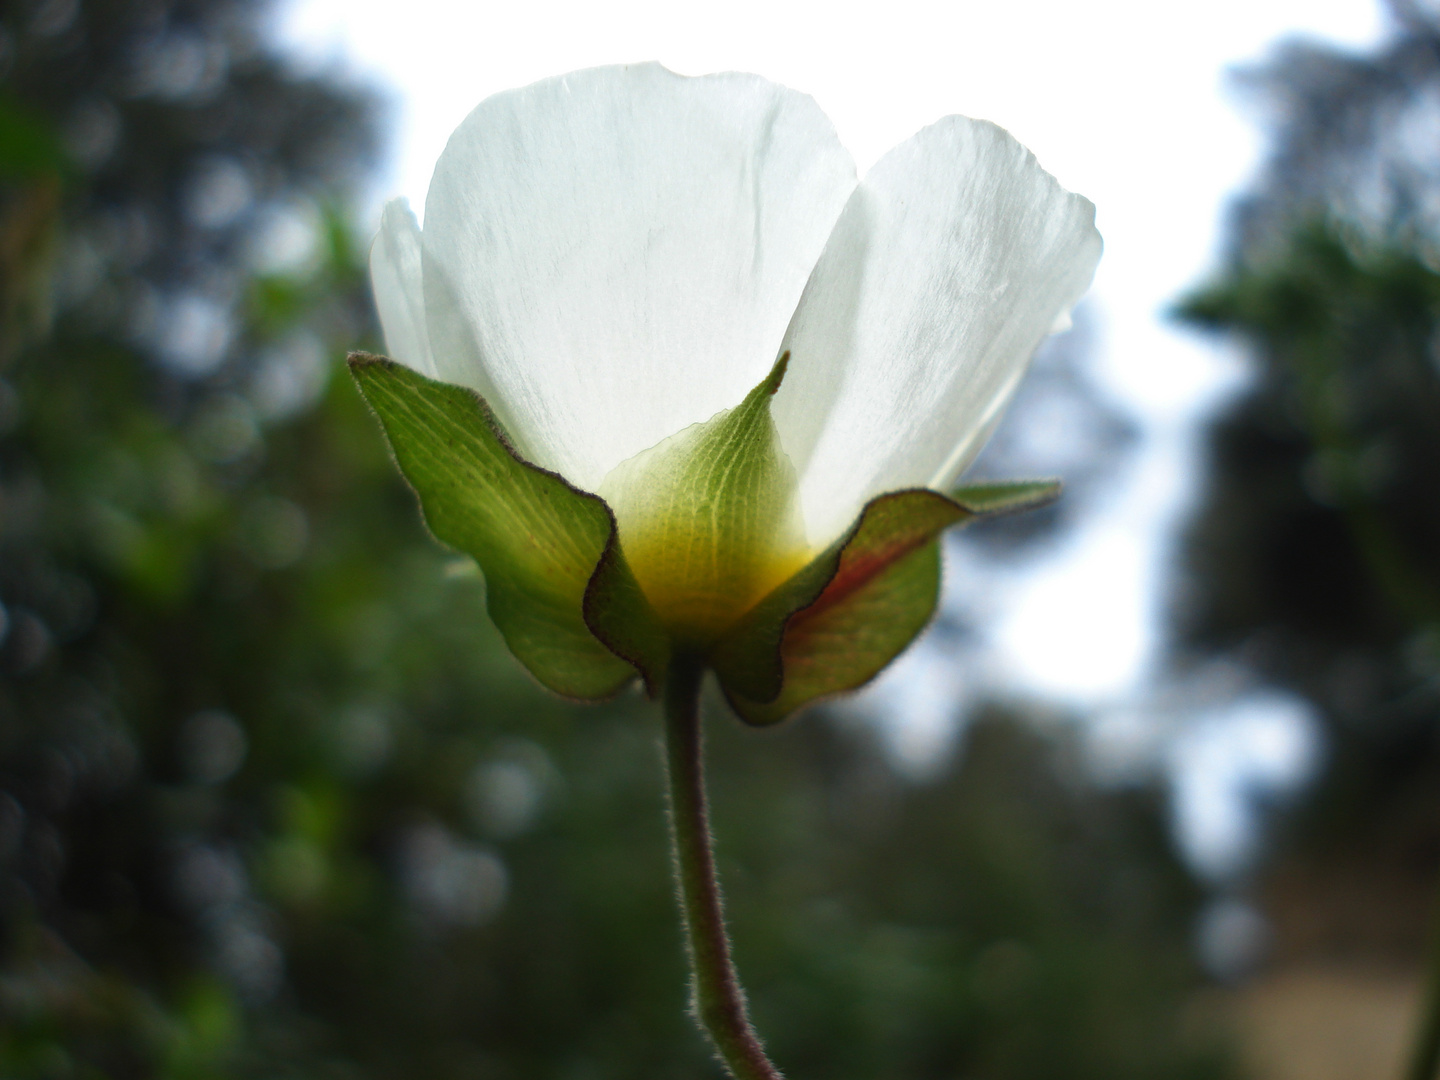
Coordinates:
column 612, row 256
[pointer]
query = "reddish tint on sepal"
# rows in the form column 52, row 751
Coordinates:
column 881, row 589
column 564, row 595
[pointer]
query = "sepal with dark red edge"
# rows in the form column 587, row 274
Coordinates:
column 573, row 610
column 877, row 589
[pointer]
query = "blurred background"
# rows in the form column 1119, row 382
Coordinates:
column 1157, row 796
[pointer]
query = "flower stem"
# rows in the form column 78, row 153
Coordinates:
column 717, row 999
column 1424, row 1061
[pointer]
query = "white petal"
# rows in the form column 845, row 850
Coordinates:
column 615, row 254
column 953, row 259
column 395, row 279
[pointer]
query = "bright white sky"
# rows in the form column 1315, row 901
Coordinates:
column 1123, row 100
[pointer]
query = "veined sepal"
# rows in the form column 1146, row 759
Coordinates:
column 537, row 538
column 709, row 523
column 570, row 607
column 838, row 622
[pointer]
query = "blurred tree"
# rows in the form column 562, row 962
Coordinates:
column 1350, row 138
column 274, row 802
column 1315, row 555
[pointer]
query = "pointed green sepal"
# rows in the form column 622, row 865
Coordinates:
column 709, row 520
column 1006, row 497
column 838, row 622
column 538, row 540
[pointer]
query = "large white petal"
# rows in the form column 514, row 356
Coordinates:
column 395, row 279
column 615, row 254
column 952, row 260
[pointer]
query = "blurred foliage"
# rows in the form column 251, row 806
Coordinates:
column 275, row 802
column 1323, row 526
column 1315, row 555
column 1350, row 137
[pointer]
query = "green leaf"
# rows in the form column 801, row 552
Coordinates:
column 836, row 624
column 709, row 518
column 537, row 539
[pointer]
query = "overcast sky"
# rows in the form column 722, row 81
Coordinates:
column 1124, row 102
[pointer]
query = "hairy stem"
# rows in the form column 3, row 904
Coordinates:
column 718, row 1001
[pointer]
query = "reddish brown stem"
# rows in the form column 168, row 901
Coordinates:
column 717, row 999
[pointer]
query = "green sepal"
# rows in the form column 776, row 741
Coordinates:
column 713, row 502
column 1007, row 497
column 538, row 540
column 709, row 517
column 617, row 612
column 747, row 660
column 838, row 622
